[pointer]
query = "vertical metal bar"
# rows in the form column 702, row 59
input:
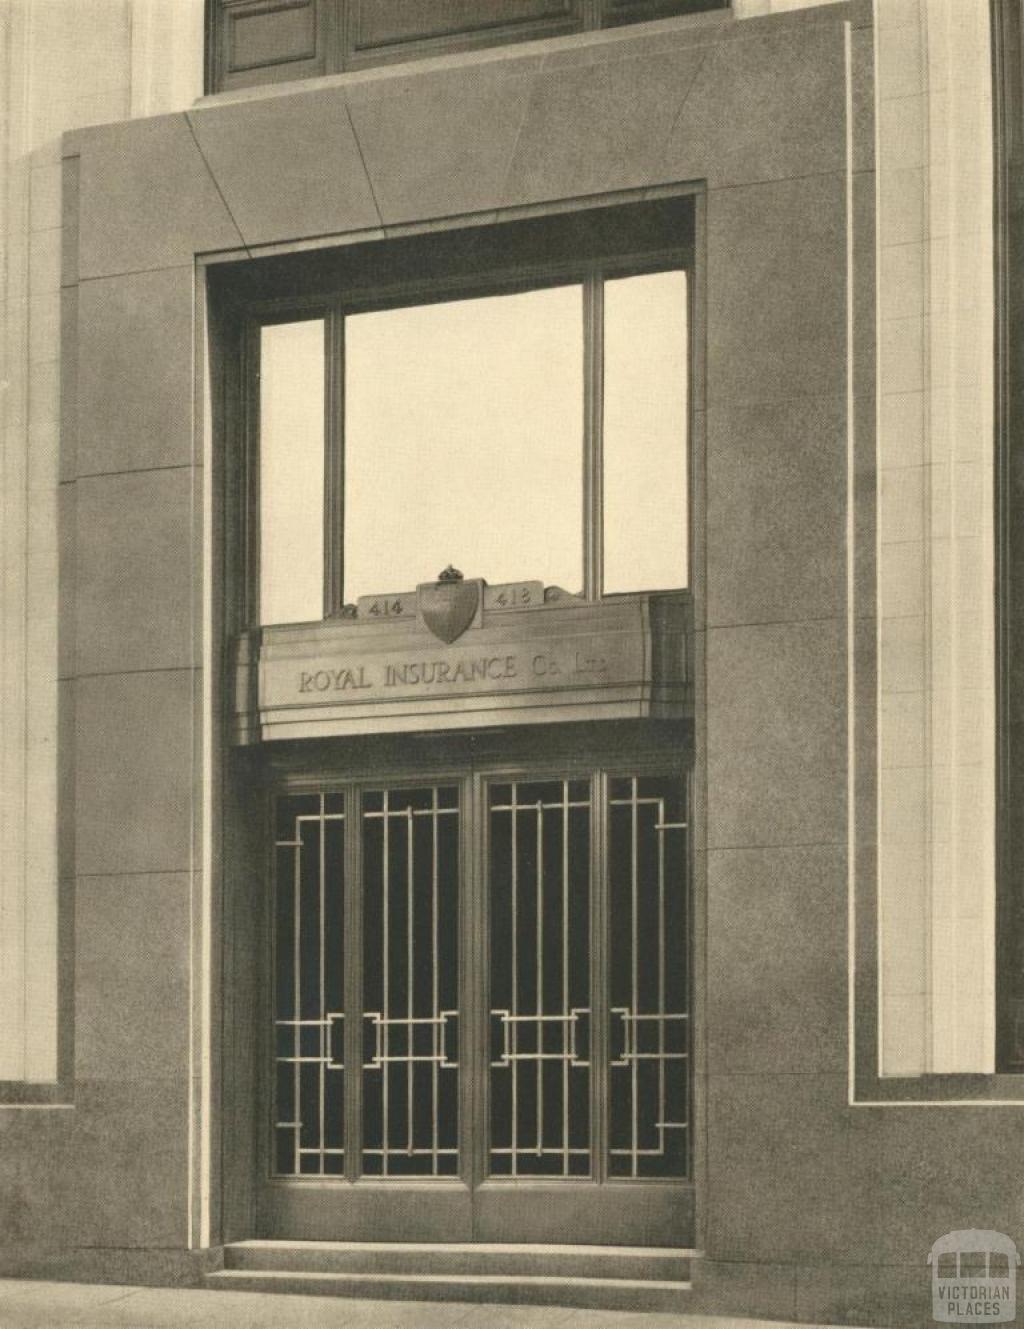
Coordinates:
column 434, row 1003
column 297, row 995
column 474, row 996
column 410, row 1065
column 352, row 947
column 323, row 1030
column 540, row 977
column 686, row 885
column 275, row 1011
column 514, row 1072
column 661, row 833
column 600, row 940
column 565, row 979
column 593, row 436
column 635, row 971
column 385, row 1070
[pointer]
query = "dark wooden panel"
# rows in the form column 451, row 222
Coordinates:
column 376, row 23
column 270, row 34
column 616, row 12
column 267, row 41
column 270, row 41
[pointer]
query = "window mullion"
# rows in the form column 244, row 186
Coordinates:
column 334, row 461
column 593, row 436
column 251, row 525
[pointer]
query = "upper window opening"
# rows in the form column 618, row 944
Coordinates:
column 533, row 434
column 272, row 41
column 511, row 400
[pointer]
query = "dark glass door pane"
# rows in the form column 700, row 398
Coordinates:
column 539, row 1007
column 410, row 1034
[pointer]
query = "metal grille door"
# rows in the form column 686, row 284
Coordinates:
column 309, row 976
column 539, row 873
column 410, row 1057
column 483, row 980
column 648, row 1069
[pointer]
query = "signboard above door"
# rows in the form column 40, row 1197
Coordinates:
column 456, row 654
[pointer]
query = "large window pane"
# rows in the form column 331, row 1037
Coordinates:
column 291, row 471
column 463, row 438
column 645, row 382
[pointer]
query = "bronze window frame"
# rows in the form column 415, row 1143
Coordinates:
column 588, row 247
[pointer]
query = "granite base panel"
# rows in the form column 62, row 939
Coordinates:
column 141, row 1267
column 881, row 1296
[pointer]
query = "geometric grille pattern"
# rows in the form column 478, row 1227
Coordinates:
column 410, row 982
column 586, row 988
column 648, row 1086
column 539, row 880
column 309, row 976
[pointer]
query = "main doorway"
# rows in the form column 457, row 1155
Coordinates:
column 479, row 1019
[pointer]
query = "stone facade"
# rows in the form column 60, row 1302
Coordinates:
column 811, row 1203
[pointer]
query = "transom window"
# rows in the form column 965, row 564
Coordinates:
column 523, row 424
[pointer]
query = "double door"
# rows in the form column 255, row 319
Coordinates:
column 479, row 1025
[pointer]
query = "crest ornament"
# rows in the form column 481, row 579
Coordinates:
column 449, row 605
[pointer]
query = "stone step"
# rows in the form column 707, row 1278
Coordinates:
column 523, row 1289
column 638, row 1264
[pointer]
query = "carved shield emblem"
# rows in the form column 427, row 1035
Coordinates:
column 448, row 607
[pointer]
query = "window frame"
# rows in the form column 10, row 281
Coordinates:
column 338, row 48
column 590, row 272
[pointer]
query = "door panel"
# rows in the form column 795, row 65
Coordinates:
column 309, row 977
column 410, row 1006
column 481, row 1011
column 538, row 871
column 648, row 1026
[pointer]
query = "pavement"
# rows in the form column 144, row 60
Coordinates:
column 34, row 1305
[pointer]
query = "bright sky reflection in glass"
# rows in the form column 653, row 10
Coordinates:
column 291, row 471
column 463, row 441
column 645, row 453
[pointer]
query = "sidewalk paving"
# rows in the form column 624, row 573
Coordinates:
column 34, row 1305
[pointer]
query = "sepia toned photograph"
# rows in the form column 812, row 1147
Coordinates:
column 511, row 663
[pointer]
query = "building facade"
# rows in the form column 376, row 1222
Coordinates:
column 509, row 725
